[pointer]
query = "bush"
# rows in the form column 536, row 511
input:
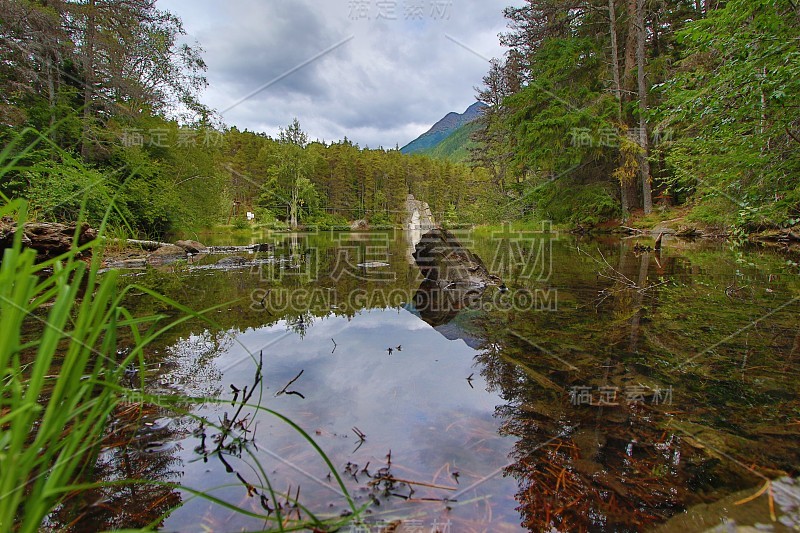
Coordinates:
column 57, row 191
column 326, row 221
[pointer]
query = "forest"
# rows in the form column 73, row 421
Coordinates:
column 99, row 103
column 599, row 110
column 489, row 378
column 602, row 108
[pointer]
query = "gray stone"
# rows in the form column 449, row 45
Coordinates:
column 232, row 261
column 193, row 247
column 418, row 215
column 166, row 255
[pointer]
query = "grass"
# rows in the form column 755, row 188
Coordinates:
column 55, row 399
column 61, row 325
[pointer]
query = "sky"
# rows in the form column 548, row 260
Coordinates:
column 380, row 72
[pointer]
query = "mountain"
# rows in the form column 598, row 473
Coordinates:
column 452, row 122
column 455, row 147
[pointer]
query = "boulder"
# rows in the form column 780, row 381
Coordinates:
column 418, row 215
column 360, row 224
column 443, row 260
column 192, row 247
column 166, row 255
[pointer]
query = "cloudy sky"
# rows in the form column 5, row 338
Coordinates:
column 380, row 72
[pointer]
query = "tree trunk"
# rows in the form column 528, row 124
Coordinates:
column 293, row 206
column 647, row 195
column 88, row 77
column 630, row 48
column 625, row 200
column 51, row 97
column 612, row 15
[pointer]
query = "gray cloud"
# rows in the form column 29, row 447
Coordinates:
column 397, row 75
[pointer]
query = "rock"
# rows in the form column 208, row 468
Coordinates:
column 443, row 259
column 128, row 263
column 418, row 215
column 47, row 238
column 438, row 306
column 360, row 224
column 192, row 247
column 166, row 255
column 232, row 261
column 688, row 232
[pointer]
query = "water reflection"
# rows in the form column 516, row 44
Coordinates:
column 657, row 382
column 616, row 431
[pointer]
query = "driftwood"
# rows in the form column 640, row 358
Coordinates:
column 47, row 238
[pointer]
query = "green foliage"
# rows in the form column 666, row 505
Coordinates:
column 57, row 191
column 241, row 223
column 325, row 221
column 574, row 203
column 735, row 104
column 59, row 386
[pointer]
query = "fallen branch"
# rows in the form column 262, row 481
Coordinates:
column 284, row 391
column 420, row 483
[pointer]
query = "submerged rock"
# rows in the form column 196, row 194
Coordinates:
column 166, row 255
column 140, row 262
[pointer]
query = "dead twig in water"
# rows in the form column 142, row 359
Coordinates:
column 362, row 437
column 334, row 345
column 285, row 391
column 407, row 482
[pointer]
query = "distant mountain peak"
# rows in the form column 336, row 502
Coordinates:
column 443, row 129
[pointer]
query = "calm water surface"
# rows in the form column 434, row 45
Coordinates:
column 609, row 389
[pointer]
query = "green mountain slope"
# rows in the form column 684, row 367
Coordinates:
column 455, row 147
column 443, row 129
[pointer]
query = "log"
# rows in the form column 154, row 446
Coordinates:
column 150, row 246
column 49, row 239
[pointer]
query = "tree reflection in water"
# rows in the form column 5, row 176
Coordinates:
column 617, row 440
column 139, row 450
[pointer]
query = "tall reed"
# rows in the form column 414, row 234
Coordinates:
column 60, row 370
